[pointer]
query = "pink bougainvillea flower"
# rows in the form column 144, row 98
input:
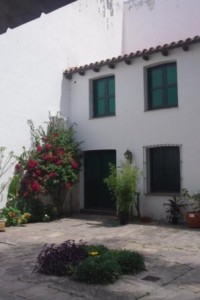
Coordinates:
column 48, row 156
column 39, row 148
column 45, row 157
column 61, row 152
column 57, row 161
column 48, row 146
column 74, row 164
column 53, row 175
column 68, row 185
column 18, row 168
column 32, row 164
column 35, row 186
column 38, row 172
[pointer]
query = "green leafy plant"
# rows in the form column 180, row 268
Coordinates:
column 192, row 215
column 33, row 206
column 13, row 216
column 38, row 211
column 6, row 163
column 51, row 211
column 174, row 209
column 13, row 187
column 98, row 269
column 52, row 166
column 192, row 200
column 122, row 183
column 60, row 259
column 130, row 262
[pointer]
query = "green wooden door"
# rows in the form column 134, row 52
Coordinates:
column 96, row 168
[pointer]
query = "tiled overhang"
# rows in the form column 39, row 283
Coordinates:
column 128, row 59
column 14, row 13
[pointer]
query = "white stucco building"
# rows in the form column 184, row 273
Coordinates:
column 33, row 57
column 146, row 102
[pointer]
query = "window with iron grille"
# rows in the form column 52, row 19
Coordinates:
column 162, row 86
column 164, row 169
column 104, row 96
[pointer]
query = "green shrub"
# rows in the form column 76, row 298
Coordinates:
column 102, row 269
column 93, row 264
column 13, row 216
column 122, row 183
column 130, row 262
column 51, row 211
column 33, row 206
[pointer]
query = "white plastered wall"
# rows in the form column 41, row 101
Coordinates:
column 34, row 56
column 134, row 128
column 150, row 23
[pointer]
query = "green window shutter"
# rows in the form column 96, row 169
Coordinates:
column 104, row 96
column 171, row 74
column 172, row 96
column 99, row 94
column 171, row 82
column 156, row 77
column 157, row 98
column 111, row 95
column 165, row 170
column 162, row 86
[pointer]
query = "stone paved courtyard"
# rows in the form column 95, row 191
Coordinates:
column 172, row 256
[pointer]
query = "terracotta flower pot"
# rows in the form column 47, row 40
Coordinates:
column 2, row 225
column 192, row 219
column 123, row 217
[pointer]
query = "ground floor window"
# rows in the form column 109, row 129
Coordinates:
column 163, row 169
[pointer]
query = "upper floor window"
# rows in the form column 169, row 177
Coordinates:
column 162, row 86
column 104, row 96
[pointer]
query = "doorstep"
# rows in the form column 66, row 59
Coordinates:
column 102, row 212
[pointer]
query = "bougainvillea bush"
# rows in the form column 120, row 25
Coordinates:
column 52, row 165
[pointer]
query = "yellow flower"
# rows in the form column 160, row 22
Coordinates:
column 11, row 214
column 26, row 215
column 20, row 221
column 93, row 253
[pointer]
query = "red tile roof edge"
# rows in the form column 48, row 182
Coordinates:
column 127, row 57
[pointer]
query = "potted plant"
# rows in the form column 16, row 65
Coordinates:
column 2, row 224
column 174, row 208
column 122, row 183
column 192, row 216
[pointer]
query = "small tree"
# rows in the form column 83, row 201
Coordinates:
column 52, row 165
column 6, row 162
column 122, row 183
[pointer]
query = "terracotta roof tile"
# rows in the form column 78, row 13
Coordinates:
column 127, row 57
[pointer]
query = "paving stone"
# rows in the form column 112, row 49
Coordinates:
column 168, row 251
